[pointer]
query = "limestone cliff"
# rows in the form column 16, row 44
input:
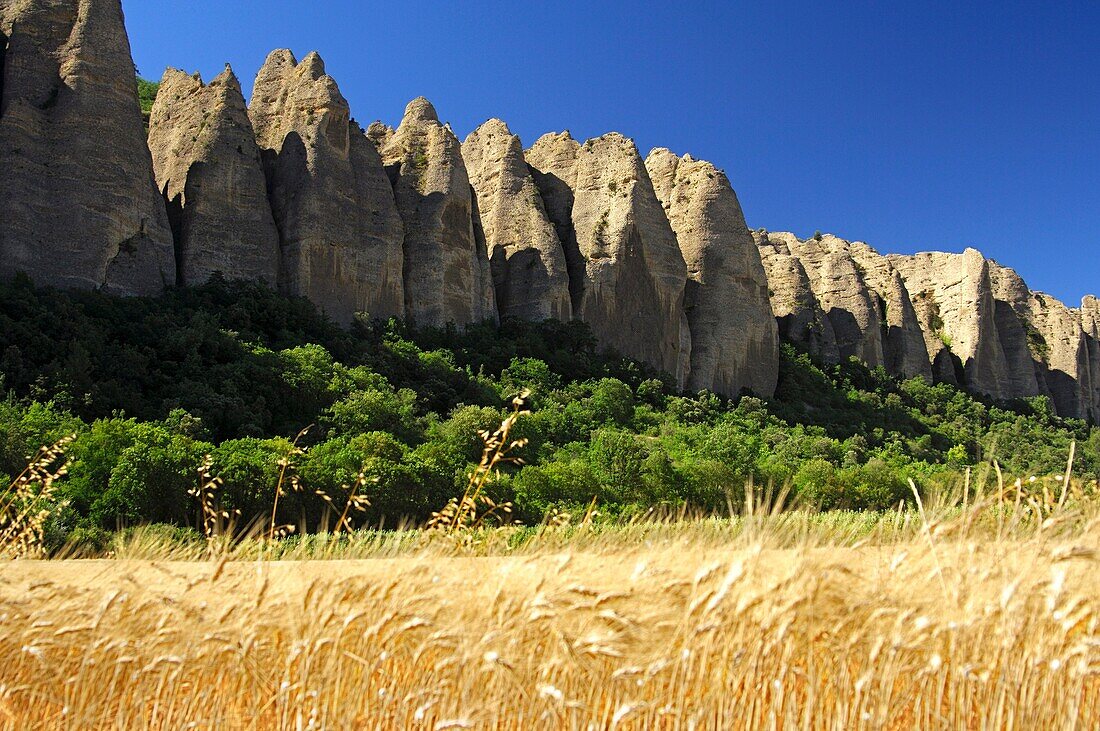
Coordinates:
column 840, row 292
column 798, row 313
column 525, row 254
column 1090, row 323
column 734, row 337
column 340, row 232
column 78, row 205
column 953, row 297
column 631, row 288
column 208, row 167
column 904, row 351
column 447, row 275
column 1062, row 352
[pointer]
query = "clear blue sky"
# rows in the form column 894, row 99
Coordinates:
column 912, row 126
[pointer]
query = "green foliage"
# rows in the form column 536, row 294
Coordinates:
column 150, row 386
column 147, row 95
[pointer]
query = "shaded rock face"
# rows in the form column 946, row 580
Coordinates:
column 1005, row 340
column 841, row 293
column 552, row 161
column 627, row 274
column 797, row 311
column 1062, row 351
column 208, row 168
column 734, row 336
column 525, row 255
column 447, row 275
column 340, row 232
column 1090, row 323
column 1020, row 341
column 78, row 205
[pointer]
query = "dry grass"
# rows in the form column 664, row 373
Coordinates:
column 984, row 620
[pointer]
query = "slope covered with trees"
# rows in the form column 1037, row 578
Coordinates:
column 234, row 371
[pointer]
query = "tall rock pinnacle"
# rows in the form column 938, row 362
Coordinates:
column 631, row 288
column 734, row 337
column 447, row 275
column 525, row 255
column 339, row 227
column 78, row 205
column 208, row 167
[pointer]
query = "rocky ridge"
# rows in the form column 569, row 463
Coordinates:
column 208, row 168
column 654, row 255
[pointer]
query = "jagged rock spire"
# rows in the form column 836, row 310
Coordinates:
column 340, row 232
column 78, row 205
column 525, row 254
column 734, row 338
column 208, row 167
column 447, row 275
column 631, row 287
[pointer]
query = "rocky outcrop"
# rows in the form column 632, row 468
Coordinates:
column 447, row 275
column 631, row 287
column 734, row 337
column 841, row 293
column 797, row 311
column 1020, row 341
column 208, row 168
column 525, row 255
column 340, row 232
column 1090, row 324
column 1062, row 352
column 904, row 351
column 554, row 173
column 78, row 205
column 953, row 297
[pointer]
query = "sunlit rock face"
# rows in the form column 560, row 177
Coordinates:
column 734, row 336
column 340, row 232
column 525, row 254
column 208, row 167
column 627, row 275
column 447, row 275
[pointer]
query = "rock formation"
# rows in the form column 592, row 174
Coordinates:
column 208, row 167
column 78, row 205
column 525, row 254
column 734, row 337
column 903, row 348
column 627, row 273
column 340, row 232
column 797, row 311
column 1061, row 349
column 841, row 293
column 1090, row 323
column 408, row 222
column 447, row 276
column 953, row 297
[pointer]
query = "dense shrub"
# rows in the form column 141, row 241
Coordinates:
column 151, row 386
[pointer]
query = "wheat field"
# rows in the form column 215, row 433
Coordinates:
column 968, row 622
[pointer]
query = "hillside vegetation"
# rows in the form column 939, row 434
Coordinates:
column 151, row 386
